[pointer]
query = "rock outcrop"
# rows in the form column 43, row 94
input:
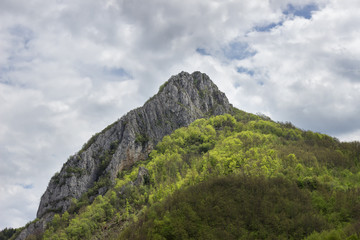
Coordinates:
column 142, row 177
column 181, row 100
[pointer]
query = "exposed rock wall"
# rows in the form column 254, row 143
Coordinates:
column 181, row 100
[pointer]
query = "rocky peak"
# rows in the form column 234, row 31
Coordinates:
column 181, row 100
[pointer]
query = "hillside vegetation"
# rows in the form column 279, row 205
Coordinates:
column 237, row 176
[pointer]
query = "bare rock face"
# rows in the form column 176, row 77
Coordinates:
column 181, row 100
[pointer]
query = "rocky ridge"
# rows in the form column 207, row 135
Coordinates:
column 181, row 100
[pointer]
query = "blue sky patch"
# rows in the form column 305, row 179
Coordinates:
column 245, row 70
column 4, row 70
column 267, row 28
column 238, row 51
column 301, row 11
column 202, row 51
column 27, row 186
column 23, row 33
column 117, row 72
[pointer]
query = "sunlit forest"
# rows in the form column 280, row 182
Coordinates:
column 239, row 176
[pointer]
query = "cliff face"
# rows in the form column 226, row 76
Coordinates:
column 181, row 100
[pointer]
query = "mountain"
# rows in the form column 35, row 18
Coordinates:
column 238, row 176
column 181, row 100
column 188, row 165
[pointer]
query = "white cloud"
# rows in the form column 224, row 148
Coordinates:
column 70, row 68
column 309, row 69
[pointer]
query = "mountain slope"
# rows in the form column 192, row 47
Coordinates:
column 232, row 207
column 181, row 100
column 233, row 177
column 258, row 180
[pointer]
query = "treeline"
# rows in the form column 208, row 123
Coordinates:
column 284, row 182
column 7, row 233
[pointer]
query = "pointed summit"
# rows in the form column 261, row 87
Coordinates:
column 181, row 100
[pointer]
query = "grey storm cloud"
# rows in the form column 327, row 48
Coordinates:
column 70, row 68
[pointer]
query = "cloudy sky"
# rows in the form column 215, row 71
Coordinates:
column 69, row 68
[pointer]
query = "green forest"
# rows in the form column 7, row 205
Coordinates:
column 239, row 176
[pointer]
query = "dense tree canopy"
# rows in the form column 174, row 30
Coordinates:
column 237, row 176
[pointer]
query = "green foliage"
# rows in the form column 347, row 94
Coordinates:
column 161, row 88
column 74, row 170
column 232, row 208
column 141, row 139
column 204, row 180
column 83, row 225
column 348, row 232
column 244, row 117
column 56, row 178
column 102, row 182
column 7, row 233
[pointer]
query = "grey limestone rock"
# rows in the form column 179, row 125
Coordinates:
column 181, row 100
